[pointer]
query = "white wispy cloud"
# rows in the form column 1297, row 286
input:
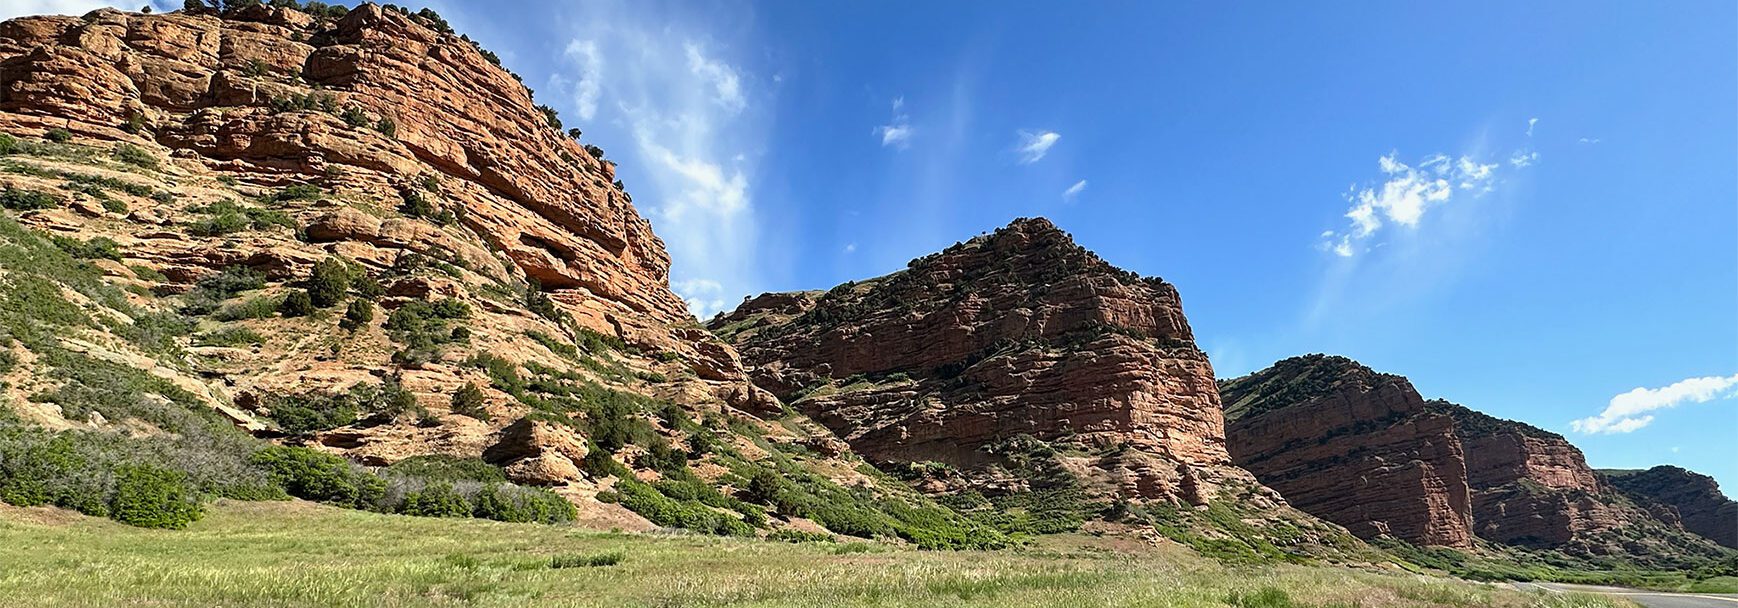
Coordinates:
column 898, row 132
column 1034, row 145
column 24, row 8
column 1630, row 411
column 1530, row 123
column 589, row 87
column 1407, row 193
column 684, row 120
column 720, row 75
column 1074, row 190
column 1523, row 158
column 1586, row 140
column 850, row 248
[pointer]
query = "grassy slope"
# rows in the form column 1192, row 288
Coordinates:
column 301, row 554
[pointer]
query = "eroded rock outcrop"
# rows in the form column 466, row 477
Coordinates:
column 1675, row 494
column 372, row 104
column 1352, row 446
column 1018, row 333
column 1363, row 449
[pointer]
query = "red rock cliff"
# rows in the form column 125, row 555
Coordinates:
column 1685, row 496
column 1021, row 332
column 1363, row 449
column 1352, row 446
column 280, row 96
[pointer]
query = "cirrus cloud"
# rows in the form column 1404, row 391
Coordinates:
column 1034, row 145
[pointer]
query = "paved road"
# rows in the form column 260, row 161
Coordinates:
column 1650, row 599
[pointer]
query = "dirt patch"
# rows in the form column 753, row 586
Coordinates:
column 40, row 516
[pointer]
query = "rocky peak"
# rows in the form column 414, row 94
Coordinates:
column 1018, row 332
column 1299, row 380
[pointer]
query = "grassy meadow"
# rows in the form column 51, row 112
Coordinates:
column 297, row 553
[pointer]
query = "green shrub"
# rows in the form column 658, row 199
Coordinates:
column 508, row 502
column 229, row 336
column 59, row 136
column 209, row 293
column 470, row 401
column 359, row 313
column 799, row 536
column 422, row 327
column 311, row 475
column 135, row 124
column 550, row 117
column 305, row 414
column 298, row 192
column 220, row 224
column 416, row 205
column 436, row 499
column 440, row 467
column 101, row 247
column 18, row 199
column 366, row 287
column 229, row 217
column 147, row 273
column 151, row 497
column 387, row 127
column 252, row 308
column 354, row 116
column 586, row 561
column 135, row 156
column 297, row 304
column 329, row 282
column 8, row 143
column 662, row 510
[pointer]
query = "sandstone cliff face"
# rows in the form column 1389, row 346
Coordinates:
column 1531, row 487
column 1021, row 332
column 215, row 91
column 365, row 114
column 1675, row 494
column 1363, row 449
column 1352, row 446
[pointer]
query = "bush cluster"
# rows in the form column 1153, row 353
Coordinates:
column 422, row 328
column 211, row 291
column 326, row 478
column 313, row 412
column 101, row 247
column 662, row 510
column 18, row 199
column 229, row 217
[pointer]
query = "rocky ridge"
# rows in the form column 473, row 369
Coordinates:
column 1363, row 449
column 1014, row 363
column 1677, row 495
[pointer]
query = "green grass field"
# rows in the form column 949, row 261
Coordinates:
column 302, row 554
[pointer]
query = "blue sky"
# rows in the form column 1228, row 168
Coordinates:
column 1528, row 208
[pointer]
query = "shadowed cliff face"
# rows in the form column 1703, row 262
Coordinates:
column 1364, row 450
column 1674, row 494
column 1020, row 332
column 1354, row 447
